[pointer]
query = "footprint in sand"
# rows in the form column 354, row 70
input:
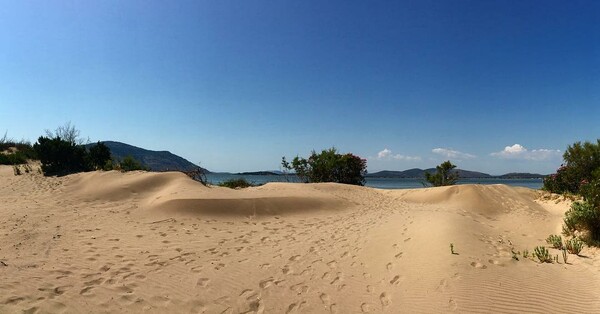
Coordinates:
column 385, row 300
column 333, row 308
column 365, row 308
column 478, row 265
column 389, row 266
column 395, row 280
column 266, row 283
column 325, row 298
column 202, row 282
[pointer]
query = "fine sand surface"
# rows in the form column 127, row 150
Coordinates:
column 110, row 242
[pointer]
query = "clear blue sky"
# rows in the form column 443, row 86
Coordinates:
column 494, row 86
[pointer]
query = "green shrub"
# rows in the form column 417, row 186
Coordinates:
column 98, row 156
column 329, row 166
column 574, row 246
column 555, row 241
column 542, row 254
column 236, row 183
column 17, row 170
column 581, row 161
column 443, row 176
column 60, row 157
column 565, row 255
column 583, row 216
column 130, row 164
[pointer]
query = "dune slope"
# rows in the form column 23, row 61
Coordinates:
column 161, row 243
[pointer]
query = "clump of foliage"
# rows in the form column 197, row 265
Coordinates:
column 565, row 255
column 130, row 164
column 329, row 166
column 582, row 216
column 542, row 254
column 580, row 174
column 443, row 176
column 60, row 157
column 98, row 156
column 62, row 152
column 236, row 183
column 581, row 164
column 574, row 246
column 15, row 153
column 555, row 241
column 526, row 253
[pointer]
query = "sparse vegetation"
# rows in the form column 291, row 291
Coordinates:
column 542, row 254
column 15, row 153
column 236, row 183
column 565, row 255
column 199, row 175
column 556, row 241
column 525, row 253
column 452, row 249
column 443, row 176
column 17, row 170
column 515, row 255
column 328, row 166
column 574, row 246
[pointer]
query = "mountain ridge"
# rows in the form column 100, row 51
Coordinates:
column 155, row 160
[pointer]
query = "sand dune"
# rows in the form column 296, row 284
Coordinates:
column 108, row 242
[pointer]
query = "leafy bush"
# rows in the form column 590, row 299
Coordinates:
column 23, row 151
column 59, row 156
column 581, row 161
column 329, row 166
column 585, row 217
column 574, row 246
column 443, row 176
column 555, row 241
column 236, row 183
column 99, row 156
column 542, row 254
column 16, row 158
column 130, row 164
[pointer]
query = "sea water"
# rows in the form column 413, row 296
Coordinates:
column 380, row 183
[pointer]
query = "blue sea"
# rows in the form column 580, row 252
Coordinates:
column 380, row 183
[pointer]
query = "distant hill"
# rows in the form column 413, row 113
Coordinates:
column 521, row 175
column 465, row 174
column 155, row 160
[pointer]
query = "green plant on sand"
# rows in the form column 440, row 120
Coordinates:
column 555, row 241
column 542, row 254
column 574, row 246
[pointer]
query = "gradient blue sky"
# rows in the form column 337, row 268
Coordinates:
column 494, row 86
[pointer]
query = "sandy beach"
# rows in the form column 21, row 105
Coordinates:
column 111, row 242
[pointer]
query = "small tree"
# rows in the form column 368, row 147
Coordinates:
column 99, row 156
column 130, row 164
column 443, row 176
column 329, row 166
column 59, row 156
